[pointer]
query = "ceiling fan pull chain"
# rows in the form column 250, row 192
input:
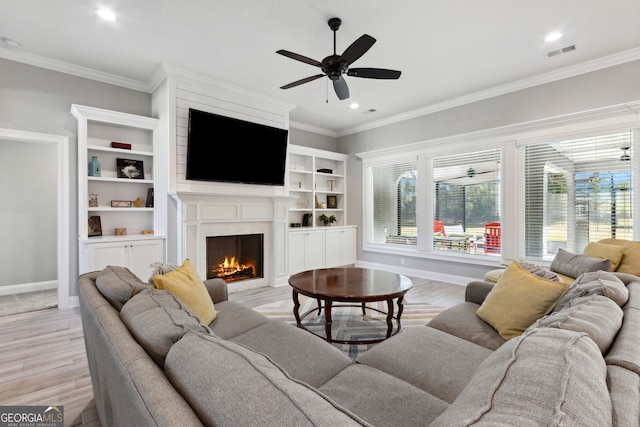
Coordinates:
column 326, row 88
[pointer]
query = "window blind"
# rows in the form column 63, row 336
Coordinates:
column 391, row 203
column 576, row 191
column 467, row 196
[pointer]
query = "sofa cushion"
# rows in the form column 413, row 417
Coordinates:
column 382, row 399
column 543, row 377
column 630, row 262
column 596, row 315
column 157, row 320
column 624, row 386
column 595, row 283
column 118, row 284
column 227, row 384
column 185, row 283
column 420, row 356
column 233, row 319
column 605, row 251
column 625, row 351
column 573, row 265
column 294, row 350
column 518, row 299
column 462, row 321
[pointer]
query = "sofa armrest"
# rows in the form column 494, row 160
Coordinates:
column 217, row 289
column 477, row 291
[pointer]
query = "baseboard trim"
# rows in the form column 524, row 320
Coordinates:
column 28, row 287
column 424, row 274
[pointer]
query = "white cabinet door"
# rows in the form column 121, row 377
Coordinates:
column 306, row 250
column 100, row 255
column 136, row 255
column 314, row 250
column 340, row 247
column 143, row 253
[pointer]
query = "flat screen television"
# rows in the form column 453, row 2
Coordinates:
column 224, row 149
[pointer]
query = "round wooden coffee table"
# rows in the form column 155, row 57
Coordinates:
column 353, row 286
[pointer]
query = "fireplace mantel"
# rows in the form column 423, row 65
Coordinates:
column 202, row 215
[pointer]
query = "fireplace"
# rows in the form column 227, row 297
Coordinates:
column 235, row 258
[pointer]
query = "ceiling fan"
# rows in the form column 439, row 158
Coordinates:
column 334, row 66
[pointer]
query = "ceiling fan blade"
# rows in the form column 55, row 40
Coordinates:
column 374, row 73
column 358, row 48
column 302, row 81
column 300, row 58
column 341, row 88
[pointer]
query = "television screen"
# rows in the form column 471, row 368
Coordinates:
column 225, row 149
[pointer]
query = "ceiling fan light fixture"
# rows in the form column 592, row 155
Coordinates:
column 625, row 154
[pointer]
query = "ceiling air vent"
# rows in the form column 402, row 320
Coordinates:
column 557, row 52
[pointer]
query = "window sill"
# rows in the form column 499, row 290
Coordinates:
column 413, row 251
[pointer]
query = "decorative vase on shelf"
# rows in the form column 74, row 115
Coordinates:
column 94, row 166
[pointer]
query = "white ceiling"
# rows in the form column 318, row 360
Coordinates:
column 447, row 50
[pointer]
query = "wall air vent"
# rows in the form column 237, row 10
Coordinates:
column 557, row 52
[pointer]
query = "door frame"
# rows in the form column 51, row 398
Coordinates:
column 62, row 146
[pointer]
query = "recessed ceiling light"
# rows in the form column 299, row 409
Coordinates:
column 106, row 14
column 11, row 44
column 354, row 105
column 551, row 37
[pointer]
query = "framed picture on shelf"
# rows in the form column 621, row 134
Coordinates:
column 95, row 226
column 130, row 169
column 332, row 202
column 149, row 203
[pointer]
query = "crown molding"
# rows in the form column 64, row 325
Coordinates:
column 314, row 129
column 586, row 67
column 74, row 70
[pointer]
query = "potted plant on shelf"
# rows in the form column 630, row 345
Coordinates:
column 326, row 220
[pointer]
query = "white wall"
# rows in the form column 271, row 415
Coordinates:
column 598, row 89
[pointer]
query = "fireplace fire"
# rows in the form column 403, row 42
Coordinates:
column 234, row 258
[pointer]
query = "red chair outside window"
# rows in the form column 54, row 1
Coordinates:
column 438, row 227
column 492, row 237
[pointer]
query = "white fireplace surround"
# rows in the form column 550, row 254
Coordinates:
column 206, row 215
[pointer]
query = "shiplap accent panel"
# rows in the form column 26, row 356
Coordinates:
column 225, row 101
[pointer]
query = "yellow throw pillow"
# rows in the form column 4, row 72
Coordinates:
column 185, row 283
column 518, row 299
column 606, row 251
column 630, row 262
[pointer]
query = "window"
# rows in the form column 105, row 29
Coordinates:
column 575, row 192
column 391, row 203
column 467, row 198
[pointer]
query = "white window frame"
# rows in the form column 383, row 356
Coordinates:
column 510, row 138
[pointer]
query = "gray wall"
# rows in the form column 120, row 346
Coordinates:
column 312, row 140
column 38, row 100
column 607, row 87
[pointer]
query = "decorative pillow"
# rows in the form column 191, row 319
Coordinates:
column 539, row 271
column 596, row 315
column 118, row 284
column 157, row 320
column 160, row 268
column 186, row 284
column 573, row 265
column 596, row 283
column 518, row 299
column 630, row 262
column 606, row 251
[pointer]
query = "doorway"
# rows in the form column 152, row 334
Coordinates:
column 35, row 223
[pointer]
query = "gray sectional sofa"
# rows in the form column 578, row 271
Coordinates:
column 153, row 362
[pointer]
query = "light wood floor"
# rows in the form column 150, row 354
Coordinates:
column 43, row 360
